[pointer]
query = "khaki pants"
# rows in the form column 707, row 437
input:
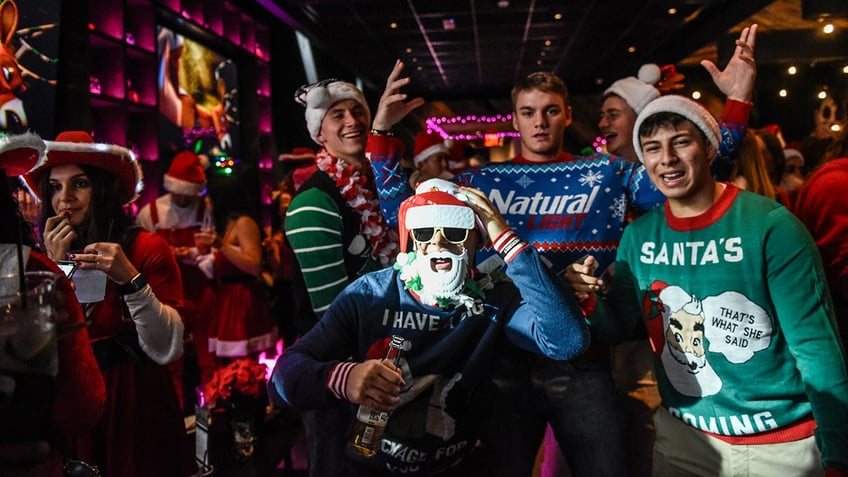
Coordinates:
column 683, row 451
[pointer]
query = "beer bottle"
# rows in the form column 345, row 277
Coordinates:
column 371, row 423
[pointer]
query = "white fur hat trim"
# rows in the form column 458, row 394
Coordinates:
column 689, row 109
column 638, row 92
column 440, row 215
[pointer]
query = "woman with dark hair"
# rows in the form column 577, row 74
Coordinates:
column 134, row 322
column 39, row 416
column 241, row 325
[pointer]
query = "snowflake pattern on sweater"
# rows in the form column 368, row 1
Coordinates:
column 567, row 208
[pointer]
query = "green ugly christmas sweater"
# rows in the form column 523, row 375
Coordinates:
column 739, row 315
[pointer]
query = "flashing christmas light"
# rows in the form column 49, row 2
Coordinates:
column 434, row 124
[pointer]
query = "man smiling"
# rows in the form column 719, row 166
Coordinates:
column 742, row 275
column 453, row 319
column 333, row 223
column 565, row 206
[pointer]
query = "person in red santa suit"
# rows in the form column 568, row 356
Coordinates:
column 177, row 216
column 133, row 319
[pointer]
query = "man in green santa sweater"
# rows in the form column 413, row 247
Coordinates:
column 731, row 288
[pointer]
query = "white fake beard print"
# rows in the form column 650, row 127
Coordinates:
column 445, row 284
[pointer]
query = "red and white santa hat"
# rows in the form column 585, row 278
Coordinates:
column 638, row 91
column 689, row 109
column 79, row 148
column 436, row 203
column 187, row 175
column 427, row 144
column 20, row 153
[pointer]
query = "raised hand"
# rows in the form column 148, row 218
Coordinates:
column 392, row 108
column 736, row 81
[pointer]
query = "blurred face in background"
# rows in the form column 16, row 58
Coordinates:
column 434, row 165
column 616, row 126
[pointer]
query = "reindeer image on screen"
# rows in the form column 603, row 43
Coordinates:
column 12, row 114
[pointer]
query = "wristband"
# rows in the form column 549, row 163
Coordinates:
column 382, row 132
column 509, row 247
column 135, row 284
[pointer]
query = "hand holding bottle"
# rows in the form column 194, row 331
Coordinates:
column 378, row 384
column 375, row 383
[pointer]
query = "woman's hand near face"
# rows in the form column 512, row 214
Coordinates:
column 58, row 235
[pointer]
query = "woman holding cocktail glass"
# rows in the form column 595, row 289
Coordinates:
column 133, row 316
column 50, row 387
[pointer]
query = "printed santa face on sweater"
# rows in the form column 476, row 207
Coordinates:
column 687, row 330
column 684, row 354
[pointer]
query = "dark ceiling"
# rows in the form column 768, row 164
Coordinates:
column 464, row 55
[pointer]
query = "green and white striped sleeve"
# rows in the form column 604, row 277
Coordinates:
column 314, row 230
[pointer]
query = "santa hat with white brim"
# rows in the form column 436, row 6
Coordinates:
column 436, row 203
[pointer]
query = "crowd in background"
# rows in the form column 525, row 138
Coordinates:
column 194, row 279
